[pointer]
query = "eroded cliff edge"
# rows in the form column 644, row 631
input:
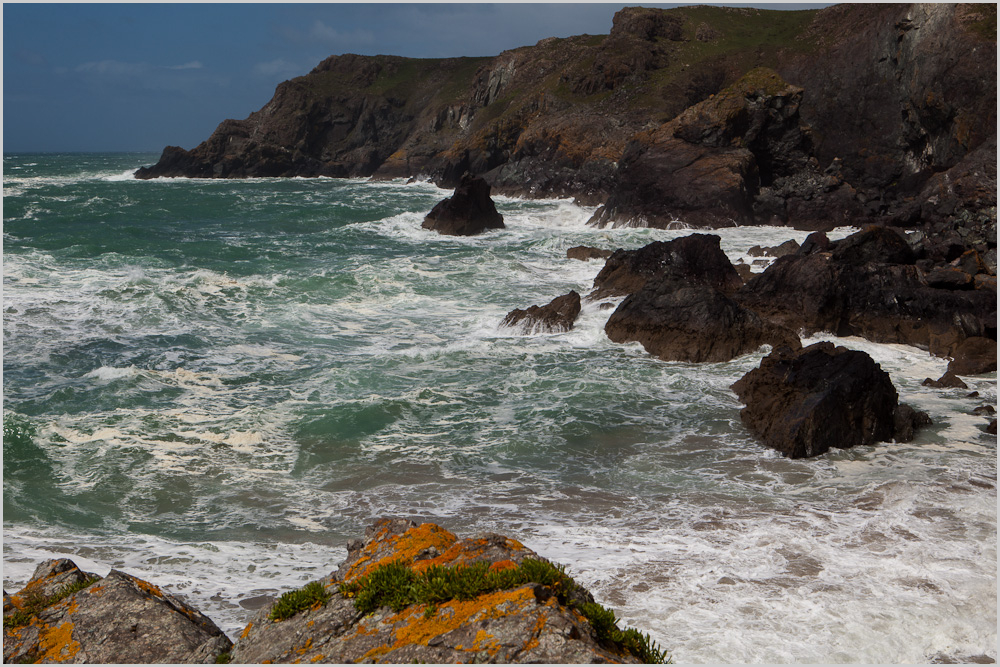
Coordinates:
column 876, row 112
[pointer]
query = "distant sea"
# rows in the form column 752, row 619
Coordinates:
column 221, row 382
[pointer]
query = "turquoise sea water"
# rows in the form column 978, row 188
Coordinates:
column 229, row 379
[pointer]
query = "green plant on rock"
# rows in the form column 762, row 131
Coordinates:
column 35, row 602
column 292, row 602
column 396, row 586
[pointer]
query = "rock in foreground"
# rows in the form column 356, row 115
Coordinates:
column 805, row 403
column 66, row 615
column 412, row 593
column 555, row 317
column 468, row 212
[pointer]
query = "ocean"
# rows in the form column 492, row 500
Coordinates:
column 219, row 383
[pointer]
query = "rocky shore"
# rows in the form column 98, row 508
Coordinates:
column 406, row 593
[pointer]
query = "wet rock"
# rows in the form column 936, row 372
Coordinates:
column 974, row 356
column 117, row 619
column 992, row 428
column 555, row 317
column 906, row 421
column 584, row 253
column 789, row 247
column 947, row 381
column 863, row 286
column 694, row 324
column 803, row 403
column 984, row 410
column 692, row 260
column 468, row 212
column 525, row 623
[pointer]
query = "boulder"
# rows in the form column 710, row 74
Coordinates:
column 906, row 422
column 584, row 253
column 468, row 212
column 695, row 324
column 66, row 615
column 370, row 609
column 803, row 403
column 696, row 259
column 555, row 317
column 974, row 356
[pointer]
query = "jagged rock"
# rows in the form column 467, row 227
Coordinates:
column 992, row 428
column 693, row 260
column 789, row 247
column 947, row 381
column 117, row 619
column 555, row 317
column 746, row 273
column 974, row 356
column 584, row 253
column 906, row 421
column 803, row 403
column 696, row 324
column 468, row 212
column 526, row 623
column 859, row 288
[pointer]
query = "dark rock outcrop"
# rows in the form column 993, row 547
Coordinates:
column 65, row 615
column 524, row 623
column 695, row 324
column 585, row 253
column 555, row 317
column 867, row 285
column 468, row 212
column 974, row 356
column 803, row 403
column 789, row 247
column 696, row 259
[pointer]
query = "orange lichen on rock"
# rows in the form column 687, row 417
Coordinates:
column 57, row 644
column 416, row 628
column 246, row 630
column 503, row 565
column 536, row 632
column 147, row 587
column 403, row 547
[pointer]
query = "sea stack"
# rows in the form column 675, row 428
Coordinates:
column 468, row 212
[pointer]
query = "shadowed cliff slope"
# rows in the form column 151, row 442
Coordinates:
column 891, row 96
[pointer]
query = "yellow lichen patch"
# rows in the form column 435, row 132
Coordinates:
column 147, row 587
column 246, row 630
column 17, row 601
column 403, row 547
column 317, row 657
column 305, row 647
column 57, row 644
column 97, row 590
column 413, row 627
column 486, row 642
column 536, row 632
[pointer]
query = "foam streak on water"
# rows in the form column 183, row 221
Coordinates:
column 230, row 379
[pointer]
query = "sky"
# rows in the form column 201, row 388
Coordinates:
column 139, row 76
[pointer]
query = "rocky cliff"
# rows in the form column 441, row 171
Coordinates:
column 884, row 112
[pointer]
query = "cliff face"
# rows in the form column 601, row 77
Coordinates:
column 889, row 98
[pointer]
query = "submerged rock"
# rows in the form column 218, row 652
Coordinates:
column 695, row 324
column 804, row 403
column 583, row 252
column 534, row 621
column 66, row 615
column 555, row 317
column 468, row 212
